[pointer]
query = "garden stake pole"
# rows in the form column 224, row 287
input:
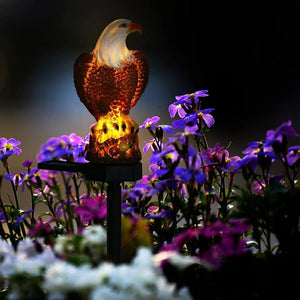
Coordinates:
column 113, row 175
column 114, row 232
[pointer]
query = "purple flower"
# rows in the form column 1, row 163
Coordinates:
column 215, row 155
column 257, row 147
column 27, row 163
column 150, row 122
column 9, row 147
column 169, row 153
column 227, row 247
column 190, row 174
column 193, row 119
column 40, row 228
column 207, row 117
column 293, row 155
column 24, row 216
column 256, row 153
column 154, row 213
column 128, row 208
column 44, row 230
column 16, row 178
column 47, row 175
column 2, row 217
column 229, row 241
column 78, row 145
column 181, row 239
column 148, row 144
column 165, row 128
column 284, row 130
column 218, row 156
column 248, row 160
column 30, row 177
column 177, row 107
column 182, row 137
column 91, row 209
column 161, row 172
column 196, row 95
column 185, row 103
column 165, row 185
column 259, row 186
column 65, row 147
column 215, row 242
column 139, row 191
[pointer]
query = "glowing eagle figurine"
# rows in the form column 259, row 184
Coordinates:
column 109, row 81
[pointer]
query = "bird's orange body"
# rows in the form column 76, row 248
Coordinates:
column 109, row 92
column 106, row 90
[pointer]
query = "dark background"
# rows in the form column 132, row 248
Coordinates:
column 245, row 53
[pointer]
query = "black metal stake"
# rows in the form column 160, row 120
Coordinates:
column 114, row 236
column 113, row 175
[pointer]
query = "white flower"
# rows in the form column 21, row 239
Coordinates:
column 60, row 243
column 95, row 235
column 182, row 261
column 138, row 280
column 26, row 260
column 144, row 258
column 63, row 277
column 107, row 293
column 5, row 248
column 28, row 248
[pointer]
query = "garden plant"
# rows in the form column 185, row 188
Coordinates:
column 189, row 231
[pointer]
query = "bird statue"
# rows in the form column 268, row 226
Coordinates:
column 109, row 81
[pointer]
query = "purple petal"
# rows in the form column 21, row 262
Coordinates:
column 150, row 121
column 179, row 124
column 184, row 97
column 167, row 129
column 172, row 110
column 209, row 120
column 148, row 145
column 200, row 177
column 3, row 142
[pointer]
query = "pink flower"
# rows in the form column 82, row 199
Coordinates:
column 91, row 209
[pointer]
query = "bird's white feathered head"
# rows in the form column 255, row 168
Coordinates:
column 111, row 49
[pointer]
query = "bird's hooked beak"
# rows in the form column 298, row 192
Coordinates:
column 132, row 27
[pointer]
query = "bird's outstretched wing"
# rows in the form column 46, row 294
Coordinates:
column 103, row 89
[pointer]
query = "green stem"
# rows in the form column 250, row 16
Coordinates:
column 32, row 205
column 291, row 182
column 76, row 189
column 14, row 190
column 11, row 234
column 223, row 196
column 77, row 219
column 69, row 221
column 17, row 202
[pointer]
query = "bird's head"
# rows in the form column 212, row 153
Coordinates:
column 111, row 49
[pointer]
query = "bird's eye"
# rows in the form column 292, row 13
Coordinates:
column 123, row 25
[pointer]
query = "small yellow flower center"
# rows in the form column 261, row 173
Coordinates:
column 169, row 156
column 8, row 147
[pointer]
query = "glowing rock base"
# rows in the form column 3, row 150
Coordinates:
column 114, row 140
